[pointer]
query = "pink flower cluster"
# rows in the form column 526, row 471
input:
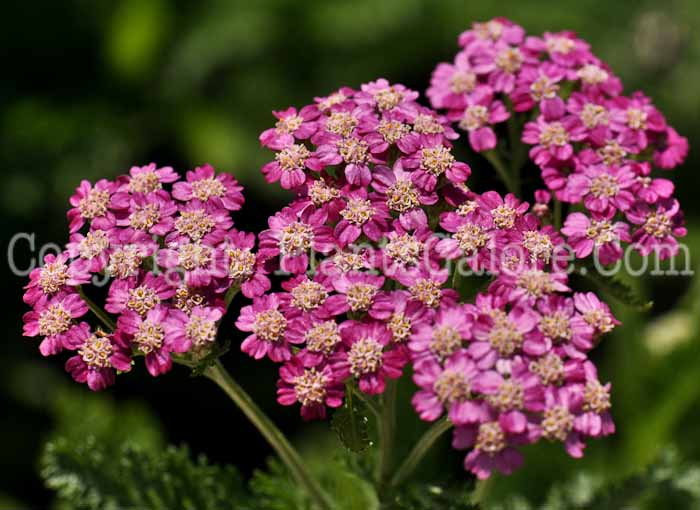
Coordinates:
column 374, row 246
column 168, row 258
column 371, row 246
column 593, row 145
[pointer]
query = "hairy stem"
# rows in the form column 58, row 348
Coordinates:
column 272, row 434
column 495, row 160
column 387, row 424
column 98, row 311
column 419, row 450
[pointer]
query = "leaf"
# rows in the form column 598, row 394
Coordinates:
column 90, row 475
column 617, row 289
column 350, row 423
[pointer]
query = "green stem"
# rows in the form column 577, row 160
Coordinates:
column 366, row 401
column 387, row 423
column 99, row 312
column 495, row 160
column 272, row 434
column 557, row 214
column 419, row 450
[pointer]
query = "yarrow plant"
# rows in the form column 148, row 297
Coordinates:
column 371, row 257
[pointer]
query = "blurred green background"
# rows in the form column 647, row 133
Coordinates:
column 90, row 88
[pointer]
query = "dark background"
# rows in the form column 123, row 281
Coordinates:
column 90, row 88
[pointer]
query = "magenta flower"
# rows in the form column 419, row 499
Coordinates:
column 151, row 213
column 443, row 337
column 636, row 118
column 99, row 355
column 600, row 236
column 673, row 150
column 140, row 295
column 268, row 326
column 602, row 187
column 426, row 286
column 54, row 276
column 450, row 84
column 383, row 96
column 471, row 237
column 596, row 313
column 402, row 315
column 363, row 214
column 432, row 161
column 199, row 263
column 204, row 185
column 481, row 112
column 501, row 335
column 91, row 204
column 320, row 337
column 314, row 296
column 649, row 189
column 527, row 285
column 562, row 407
column 563, row 327
column 195, row 331
column 90, row 252
column 290, row 126
column 492, row 442
column 447, row 387
column 245, row 269
column 553, row 140
column 352, row 152
column 199, row 221
column 293, row 235
column 595, row 420
column 539, row 86
column 358, row 291
column 315, row 388
column 402, row 196
column 659, row 226
column 54, row 319
column 517, row 392
column 492, row 31
column 147, row 335
column 405, row 250
column 148, row 179
column 563, row 48
column 289, row 166
column 364, row 357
